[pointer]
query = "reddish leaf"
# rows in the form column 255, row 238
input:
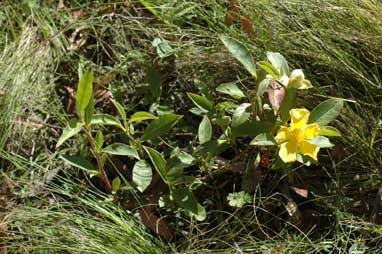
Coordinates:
column 276, row 94
column 232, row 12
column 247, row 25
column 265, row 162
column 338, row 153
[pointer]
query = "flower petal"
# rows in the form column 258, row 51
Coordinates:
column 299, row 117
column 297, row 74
column 283, row 134
column 309, row 149
column 288, row 151
column 311, row 130
column 284, row 80
column 305, row 84
column 296, row 78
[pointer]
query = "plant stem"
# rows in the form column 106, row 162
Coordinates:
column 93, row 145
column 137, row 142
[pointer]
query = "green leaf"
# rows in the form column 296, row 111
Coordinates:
column 161, row 109
column 186, row 180
column 180, row 160
column 142, row 175
column 201, row 102
column 204, row 89
column 141, row 116
column 152, row 9
column 205, row 130
column 270, row 69
column 279, row 62
column 239, row 199
column 121, row 149
column 252, row 128
column 160, row 126
column 201, row 215
column 304, row 159
column 240, row 115
column 213, row 148
column 89, row 110
column 72, row 129
column 78, row 162
column 321, row 141
column 154, row 81
column 264, row 139
column 173, row 174
column 288, row 103
column 326, row 111
column 159, row 162
column 223, row 122
column 185, row 199
column 329, row 131
column 103, row 158
column 227, row 106
column 120, row 109
column 240, row 52
column 263, row 86
column 116, row 184
column 84, row 92
column 197, row 111
column 231, row 89
column 99, row 140
column 104, row 119
column 163, row 48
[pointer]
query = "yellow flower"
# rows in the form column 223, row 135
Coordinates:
column 294, row 140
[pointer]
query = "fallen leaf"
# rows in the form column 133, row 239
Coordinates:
column 60, row 5
column 3, row 249
column 294, row 212
column 303, row 192
column 338, row 152
column 156, row 224
column 78, row 14
column 105, row 80
column 71, row 100
column 7, row 185
column 103, row 95
column 78, row 39
column 232, row 12
column 247, row 25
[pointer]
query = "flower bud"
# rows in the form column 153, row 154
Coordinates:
column 297, row 80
